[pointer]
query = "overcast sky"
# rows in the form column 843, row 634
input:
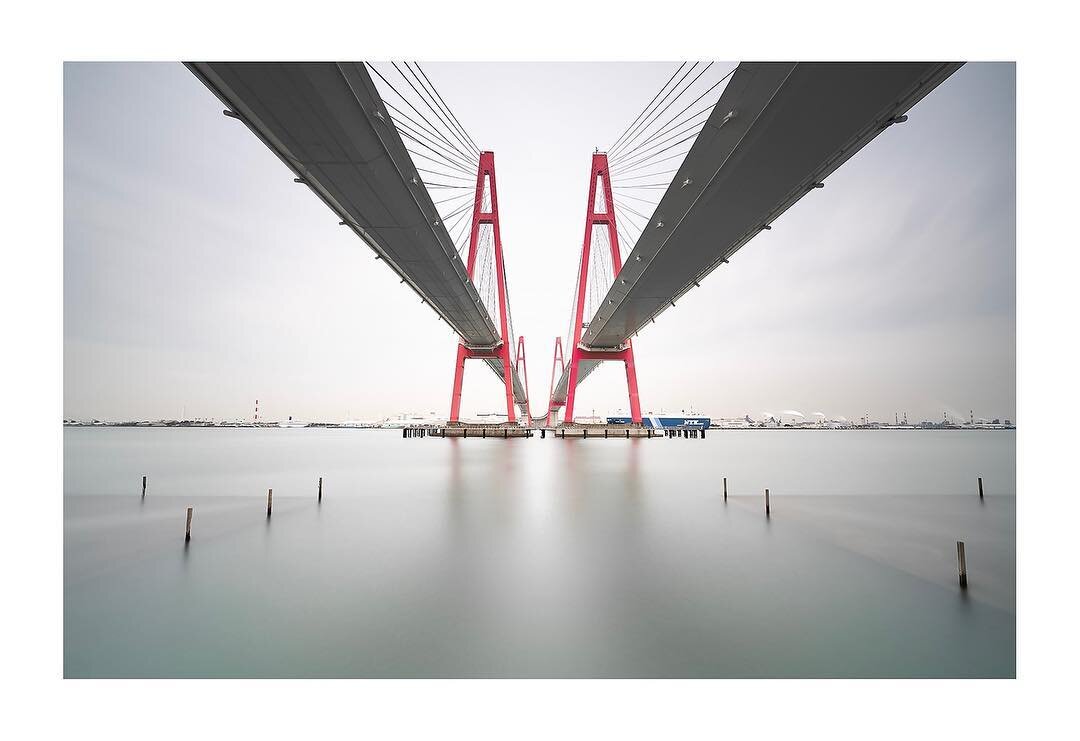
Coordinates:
column 198, row 277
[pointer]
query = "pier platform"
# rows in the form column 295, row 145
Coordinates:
column 598, row 432
column 466, row 431
column 584, row 432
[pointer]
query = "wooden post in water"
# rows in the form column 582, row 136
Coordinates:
column 144, row 486
column 961, row 563
column 269, row 502
column 980, row 486
column 767, row 511
column 725, row 488
column 187, row 530
column 320, row 490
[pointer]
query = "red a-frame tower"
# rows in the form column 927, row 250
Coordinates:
column 606, row 219
column 485, row 182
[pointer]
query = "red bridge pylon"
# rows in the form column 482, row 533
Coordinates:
column 485, row 183
column 558, row 358
column 523, row 370
column 606, row 219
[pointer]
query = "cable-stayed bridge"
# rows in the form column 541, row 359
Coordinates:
column 773, row 135
column 726, row 152
column 400, row 171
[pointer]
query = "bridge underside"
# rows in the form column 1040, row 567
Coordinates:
column 777, row 131
column 327, row 123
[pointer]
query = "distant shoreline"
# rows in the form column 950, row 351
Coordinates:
column 338, row 426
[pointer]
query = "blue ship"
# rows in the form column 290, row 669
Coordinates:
column 657, row 422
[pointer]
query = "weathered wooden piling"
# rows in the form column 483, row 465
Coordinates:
column 144, row 485
column 961, row 564
column 320, row 490
column 767, row 509
column 187, row 530
column 980, row 487
column 725, row 488
column 703, row 434
column 404, row 432
column 585, row 433
column 269, row 502
column 543, row 434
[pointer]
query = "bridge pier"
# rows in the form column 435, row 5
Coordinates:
column 485, row 185
column 599, row 175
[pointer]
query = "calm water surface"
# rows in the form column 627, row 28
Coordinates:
column 537, row 558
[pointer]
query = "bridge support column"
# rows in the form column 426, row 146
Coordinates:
column 459, row 377
column 523, row 370
column 558, row 358
column 486, row 214
column 502, row 353
column 604, row 219
column 626, row 355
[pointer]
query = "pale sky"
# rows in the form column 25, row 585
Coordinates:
column 198, row 277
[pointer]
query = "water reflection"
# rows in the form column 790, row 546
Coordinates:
column 523, row 558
